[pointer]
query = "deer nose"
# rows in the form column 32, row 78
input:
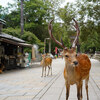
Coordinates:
column 75, row 62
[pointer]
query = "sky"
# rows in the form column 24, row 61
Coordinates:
column 5, row 2
column 62, row 5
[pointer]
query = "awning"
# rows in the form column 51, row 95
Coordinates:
column 2, row 21
column 25, row 44
column 15, row 43
column 10, row 37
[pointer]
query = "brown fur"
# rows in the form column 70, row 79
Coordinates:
column 46, row 61
column 76, row 74
column 1, row 68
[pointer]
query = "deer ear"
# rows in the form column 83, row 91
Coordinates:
column 65, row 49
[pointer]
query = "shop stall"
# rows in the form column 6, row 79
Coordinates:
column 12, row 51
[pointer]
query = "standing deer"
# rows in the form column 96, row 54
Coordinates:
column 77, row 66
column 46, row 61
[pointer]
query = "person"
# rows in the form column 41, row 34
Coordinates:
column 26, row 59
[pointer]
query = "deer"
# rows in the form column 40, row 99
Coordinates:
column 46, row 62
column 77, row 65
column 1, row 68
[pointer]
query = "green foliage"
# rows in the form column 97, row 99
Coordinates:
column 13, row 19
column 28, row 50
column 89, row 21
column 67, row 40
column 87, row 13
column 67, row 13
column 37, row 13
column 27, row 36
column 3, row 12
column 12, row 31
column 59, row 31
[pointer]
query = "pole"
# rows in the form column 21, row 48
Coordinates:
column 22, row 18
column 44, row 45
column 49, row 45
column 78, row 46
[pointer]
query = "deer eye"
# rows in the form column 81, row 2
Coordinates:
column 76, row 55
column 66, row 56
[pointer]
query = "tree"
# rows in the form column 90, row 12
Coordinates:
column 36, row 16
column 3, row 11
column 87, row 13
column 22, row 18
column 66, row 14
column 89, row 21
column 27, row 36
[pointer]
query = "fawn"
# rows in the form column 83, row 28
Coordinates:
column 46, row 61
column 77, row 66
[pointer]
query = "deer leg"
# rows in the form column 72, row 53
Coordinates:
column 48, row 70
column 42, row 70
column 67, row 91
column 45, row 71
column 86, row 86
column 51, row 70
column 79, row 91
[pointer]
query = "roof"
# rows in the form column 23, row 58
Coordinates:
column 26, row 44
column 13, row 40
column 15, row 43
column 7, row 36
column 2, row 21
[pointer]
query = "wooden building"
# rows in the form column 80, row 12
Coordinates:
column 11, row 50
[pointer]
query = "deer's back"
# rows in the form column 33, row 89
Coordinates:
column 47, row 61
